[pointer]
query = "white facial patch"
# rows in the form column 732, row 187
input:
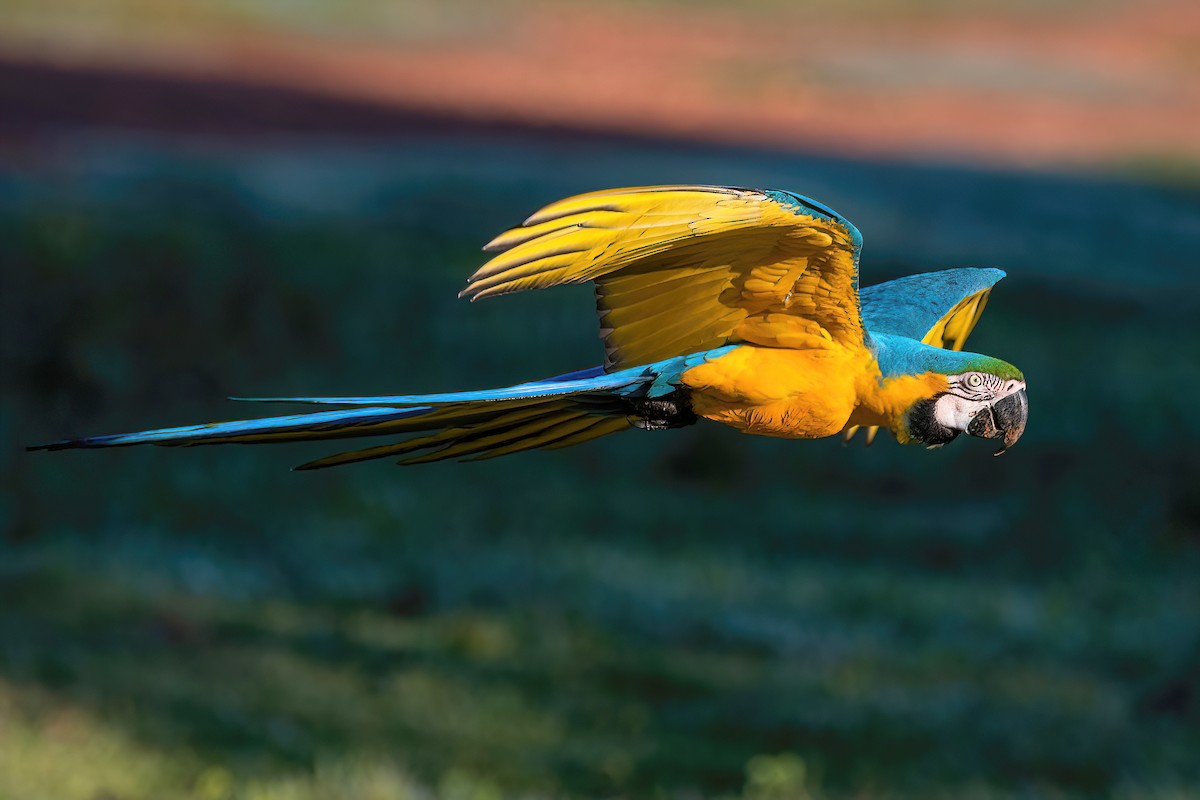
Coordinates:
column 956, row 412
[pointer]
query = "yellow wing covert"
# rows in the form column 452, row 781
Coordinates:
column 682, row 269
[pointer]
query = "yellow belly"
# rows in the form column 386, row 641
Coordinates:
column 804, row 394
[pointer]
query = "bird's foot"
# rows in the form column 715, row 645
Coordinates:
column 661, row 413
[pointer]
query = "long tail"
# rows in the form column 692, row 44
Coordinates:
column 556, row 412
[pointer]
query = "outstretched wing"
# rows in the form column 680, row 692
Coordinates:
column 681, row 269
column 936, row 308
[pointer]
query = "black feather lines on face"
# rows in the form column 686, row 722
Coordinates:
column 923, row 426
column 991, row 385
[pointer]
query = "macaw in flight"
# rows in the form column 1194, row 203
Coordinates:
column 733, row 305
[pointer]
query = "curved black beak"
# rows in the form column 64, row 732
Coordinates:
column 1005, row 420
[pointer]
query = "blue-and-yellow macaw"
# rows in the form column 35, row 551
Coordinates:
column 733, row 305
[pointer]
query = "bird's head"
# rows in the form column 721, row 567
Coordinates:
column 987, row 400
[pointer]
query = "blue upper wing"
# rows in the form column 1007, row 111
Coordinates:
column 940, row 306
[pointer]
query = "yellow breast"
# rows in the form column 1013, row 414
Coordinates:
column 805, row 394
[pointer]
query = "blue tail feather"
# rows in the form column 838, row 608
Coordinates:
column 292, row 423
column 542, row 413
column 581, row 381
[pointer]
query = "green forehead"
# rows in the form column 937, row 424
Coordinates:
column 993, row 366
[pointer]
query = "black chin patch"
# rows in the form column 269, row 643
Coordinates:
column 923, row 427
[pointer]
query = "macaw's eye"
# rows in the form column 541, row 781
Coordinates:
column 974, row 380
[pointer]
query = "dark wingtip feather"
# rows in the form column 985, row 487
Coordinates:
column 62, row 444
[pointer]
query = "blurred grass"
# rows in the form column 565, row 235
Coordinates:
column 685, row 614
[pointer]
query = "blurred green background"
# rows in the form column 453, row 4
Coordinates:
column 687, row 614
